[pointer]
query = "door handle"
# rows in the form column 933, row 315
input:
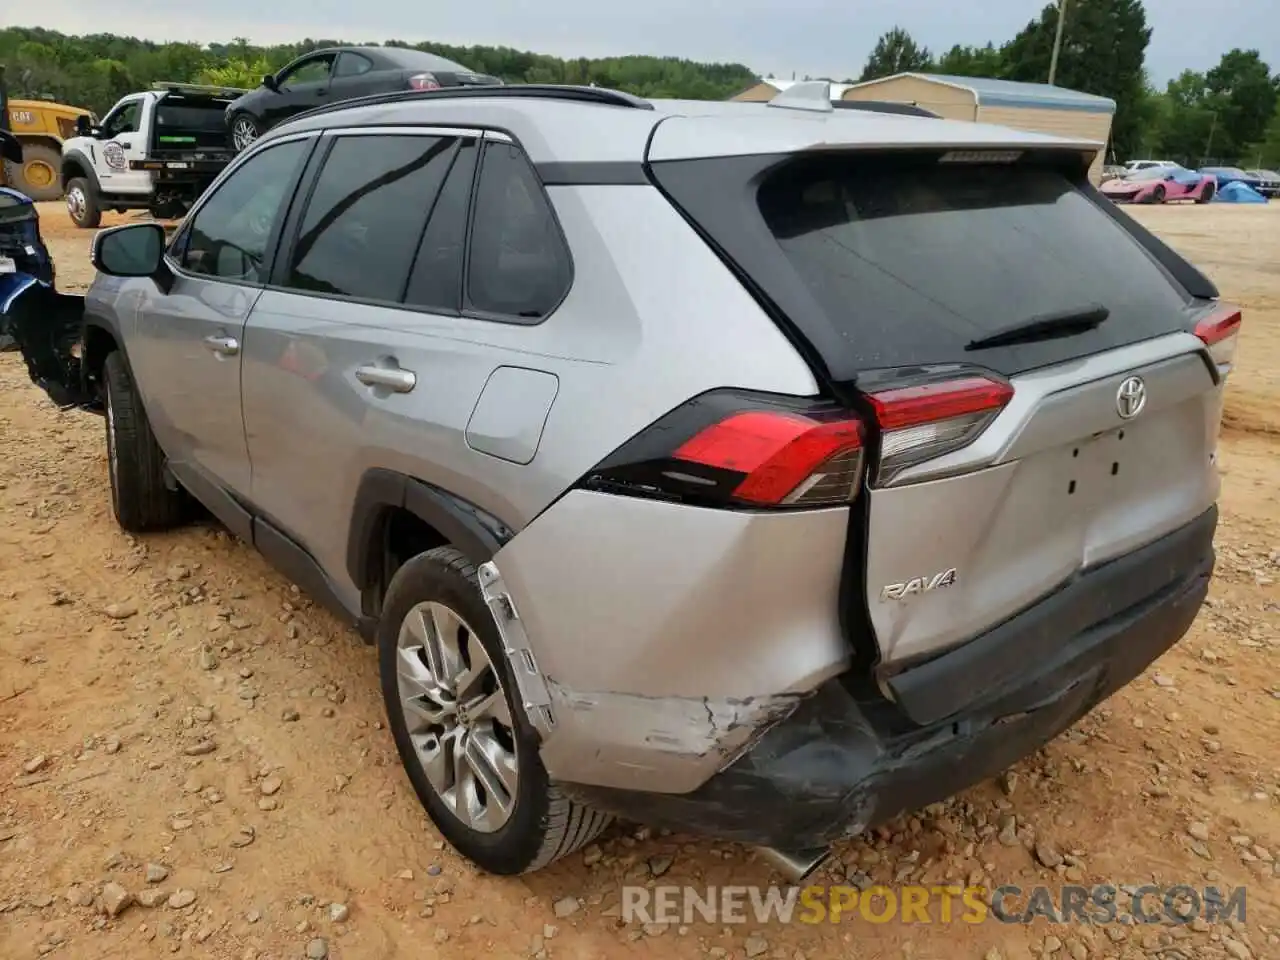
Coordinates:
column 226, row 346
column 393, row 378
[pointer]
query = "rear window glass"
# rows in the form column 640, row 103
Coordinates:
column 945, row 254
column 173, row 117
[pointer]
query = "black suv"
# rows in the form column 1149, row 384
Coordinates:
column 341, row 73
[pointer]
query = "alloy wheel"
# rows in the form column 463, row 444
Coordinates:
column 244, row 133
column 456, row 713
column 76, row 203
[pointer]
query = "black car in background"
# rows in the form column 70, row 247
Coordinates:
column 339, row 73
column 1268, row 182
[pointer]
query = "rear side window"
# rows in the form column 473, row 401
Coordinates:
column 519, row 266
column 352, row 65
column 436, row 280
column 937, row 255
column 366, row 215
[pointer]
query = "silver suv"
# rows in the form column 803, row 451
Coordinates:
column 760, row 471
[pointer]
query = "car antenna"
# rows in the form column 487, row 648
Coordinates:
column 812, row 95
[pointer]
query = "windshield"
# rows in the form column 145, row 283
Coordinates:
column 1152, row 173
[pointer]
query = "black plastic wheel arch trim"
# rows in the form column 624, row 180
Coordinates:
column 474, row 531
column 90, row 174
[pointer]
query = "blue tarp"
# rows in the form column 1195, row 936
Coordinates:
column 1237, row 192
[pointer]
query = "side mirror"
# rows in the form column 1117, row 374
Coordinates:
column 84, row 126
column 134, row 250
column 269, row 81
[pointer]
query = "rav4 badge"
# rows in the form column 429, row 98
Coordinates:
column 918, row 585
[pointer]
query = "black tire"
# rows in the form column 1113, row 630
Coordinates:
column 243, row 121
column 544, row 824
column 37, row 153
column 1207, row 196
column 1157, row 194
column 140, row 498
column 83, row 204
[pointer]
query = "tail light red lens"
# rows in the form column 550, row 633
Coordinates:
column 784, row 458
column 732, row 448
column 924, row 421
column 1219, row 331
column 424, row 81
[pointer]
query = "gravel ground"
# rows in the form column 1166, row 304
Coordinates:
column 193, row 760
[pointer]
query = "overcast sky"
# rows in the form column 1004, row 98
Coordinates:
column 819, row 37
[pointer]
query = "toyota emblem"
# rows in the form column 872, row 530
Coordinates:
column 1131, row 398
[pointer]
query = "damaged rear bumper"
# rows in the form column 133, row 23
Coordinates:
column 829, row 770
column 48, row 327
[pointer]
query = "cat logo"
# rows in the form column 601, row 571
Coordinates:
column 918, row 585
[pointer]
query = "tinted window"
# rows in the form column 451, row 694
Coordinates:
column 228, row 236
column 938, row 255
column 309, row 71
column 436, row 281
column 365, row 219
column 352, row 65
column 181, row 116
column 518, row 264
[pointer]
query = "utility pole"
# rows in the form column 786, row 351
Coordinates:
column 1208, row 146
column 1057, row 41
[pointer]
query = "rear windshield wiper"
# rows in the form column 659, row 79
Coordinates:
column 1062, row 323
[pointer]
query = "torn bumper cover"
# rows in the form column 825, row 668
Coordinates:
column 828, row 770
column 48, row 327
column 45, row 325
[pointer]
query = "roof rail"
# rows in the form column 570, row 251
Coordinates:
column 173, row 86
column 886, row 106
column 809, row 95
column 541, row 91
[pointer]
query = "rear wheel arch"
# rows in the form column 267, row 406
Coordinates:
column 395, row 517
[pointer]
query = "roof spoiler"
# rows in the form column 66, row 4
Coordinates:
column 887, row 106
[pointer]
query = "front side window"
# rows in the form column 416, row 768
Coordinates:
column 366, row 216
column 228, row 236
column 122, row 120
column 315, row 70
column 518, row 264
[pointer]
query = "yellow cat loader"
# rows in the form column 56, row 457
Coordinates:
column 39, row 127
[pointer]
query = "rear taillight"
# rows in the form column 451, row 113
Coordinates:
column 1219, row 331
column 424, row 81
column 734, row 449
column 922, row 421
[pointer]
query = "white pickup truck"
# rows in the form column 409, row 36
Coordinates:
column 156, row 151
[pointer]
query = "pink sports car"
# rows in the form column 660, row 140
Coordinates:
column 1158, row 184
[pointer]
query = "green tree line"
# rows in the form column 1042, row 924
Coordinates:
column 1227, row 115
column 94, row 71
